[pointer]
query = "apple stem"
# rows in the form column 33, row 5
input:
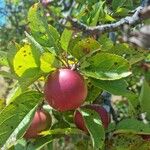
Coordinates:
column 74, row 67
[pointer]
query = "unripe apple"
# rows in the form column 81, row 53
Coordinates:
column 41, row 121
column 65, row 90
column 104, row 115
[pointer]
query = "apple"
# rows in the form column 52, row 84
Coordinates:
column 146, row 137
column 41, row 121
column 45, row 2
column 104, row 115
column 65, row 89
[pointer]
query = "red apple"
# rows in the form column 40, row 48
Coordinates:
column 146, row 137
column 104, row 115
column 65, row 90
column 45, row 2
column 40, row 122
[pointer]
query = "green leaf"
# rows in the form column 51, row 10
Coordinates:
column 117, row 3
column 49, row 62
column 13, row 93
column 13, row 48
column 145, row 98
column 43, row 33
column 98, row 12
column 94, row 126
column 93, row 92
column 84, row 47
column 21, row 129
column 34, row 43
column 105, row 66
column 121, row 12
column 106, row 42
column 116, row 87
column 40, row 142
column 65, row 39
column 132, row 126
column 3, row 58
column 13, row 114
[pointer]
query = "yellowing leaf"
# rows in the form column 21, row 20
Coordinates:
column 23, row 60
column 48, row 62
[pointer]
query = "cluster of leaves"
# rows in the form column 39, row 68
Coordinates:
column 106, row 65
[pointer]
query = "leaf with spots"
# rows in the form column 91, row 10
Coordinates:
column 13, row 115
column 26, row 65
column 84, row 47
column 94, row 126
column 43, row 33
column 105, row 66
column 23, row 60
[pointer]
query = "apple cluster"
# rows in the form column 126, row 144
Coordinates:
column 65, row 90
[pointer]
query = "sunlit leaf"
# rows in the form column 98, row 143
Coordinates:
column 106, row 66
column 94, row 126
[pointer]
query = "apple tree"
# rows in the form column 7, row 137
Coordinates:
column 75, row 56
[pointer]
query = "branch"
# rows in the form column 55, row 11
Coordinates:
column 138, row 16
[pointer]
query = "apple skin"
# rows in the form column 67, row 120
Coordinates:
column 146, row 137
column 105, row 117
column 41, row 121
column 65, row 90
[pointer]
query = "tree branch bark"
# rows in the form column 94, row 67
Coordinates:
column 140, row 14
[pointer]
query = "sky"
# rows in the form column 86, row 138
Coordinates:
column 2, row 17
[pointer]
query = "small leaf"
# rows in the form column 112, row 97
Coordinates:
column 13, row 48
column 121, row 12
column 105, row 66
column 34, row 43
column 132, row 126
column 145, row 98
column 98, row 12
column 84, row 47
column 94, row 126
column 3, row 58
column 13, row 114
column 117, row 3
column 13, row 93
column 43, row 33
column 65, row 39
